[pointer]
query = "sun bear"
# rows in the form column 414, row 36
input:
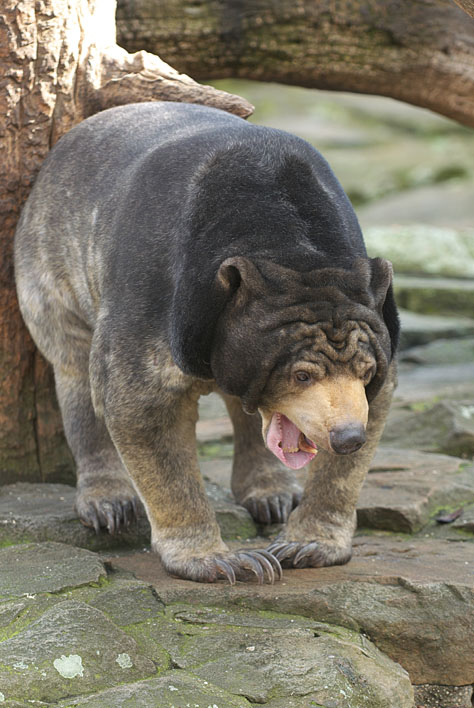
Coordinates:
column 168, row 250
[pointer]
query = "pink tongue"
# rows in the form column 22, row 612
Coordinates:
column 283, row 436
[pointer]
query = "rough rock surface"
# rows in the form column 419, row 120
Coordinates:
column 40, row 512
column 172, row 689
column 115, row 643
column 47, row 567
column 413, row 598
column 419, row 248
column 58, row 656
column 445, row 426
column 440, row 696
column 430, row 296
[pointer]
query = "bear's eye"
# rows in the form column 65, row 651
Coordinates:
column 302, row 376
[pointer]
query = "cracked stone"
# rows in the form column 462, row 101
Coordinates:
column 446, row 426
column 414, row 599
column 173, row 690
column 58, row 656
column 46, row 567
column 405, row 488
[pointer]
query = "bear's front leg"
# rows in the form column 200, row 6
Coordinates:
column 320, row 530
column 152, row 424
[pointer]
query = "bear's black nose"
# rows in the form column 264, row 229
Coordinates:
column 347, row 438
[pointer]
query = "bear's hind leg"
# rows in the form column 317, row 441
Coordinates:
column 259, row 482
column 105, row 495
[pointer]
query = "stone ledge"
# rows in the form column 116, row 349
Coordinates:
column 46, row 567
column 45, row 512
column 414, row 600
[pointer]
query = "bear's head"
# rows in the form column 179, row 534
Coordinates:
column 308, row 350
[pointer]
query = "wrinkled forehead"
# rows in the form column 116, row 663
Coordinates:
column 329, row 343
column 326, row 348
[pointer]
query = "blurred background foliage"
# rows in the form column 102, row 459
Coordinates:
column 398, row 163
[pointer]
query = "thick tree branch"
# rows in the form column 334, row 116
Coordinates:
column 419, row 51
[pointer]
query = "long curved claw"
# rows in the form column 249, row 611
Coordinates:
column 108, row 512
column 310, row 554
column 91, row 519
column 267, row 566
column 226, row 570
column 254, row 565
column 283, row 551
column 273, row 508
column 231, row 567
column 308, row 550
column 112, row 515
column 127, row 513
column 274, row 562
column 264, row 513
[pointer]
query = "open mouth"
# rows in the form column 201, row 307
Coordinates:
column 288, row 443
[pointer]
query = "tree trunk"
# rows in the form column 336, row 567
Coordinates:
column 418, row 51
column 59, row 64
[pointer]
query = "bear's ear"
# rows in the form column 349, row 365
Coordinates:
column 380, row 280
column 382, row 290
column 239, row 275
column 199, row 300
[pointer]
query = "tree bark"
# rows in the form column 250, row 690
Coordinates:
column 59, row 64
column 418, row 51
column 467, row 6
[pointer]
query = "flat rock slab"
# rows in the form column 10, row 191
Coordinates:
column 420, row 329
column 442, row 351
column 46, row 567
column 282, row 656
column 71, row 649
column 425, row 383
column 415, row 600
column 114, row 644
column 440, row 205
column 466, row 520
column 45, row 512
column 444, row 426
column 420, row 248
column 405, row 488
column 435, row 296
column 174, row 688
